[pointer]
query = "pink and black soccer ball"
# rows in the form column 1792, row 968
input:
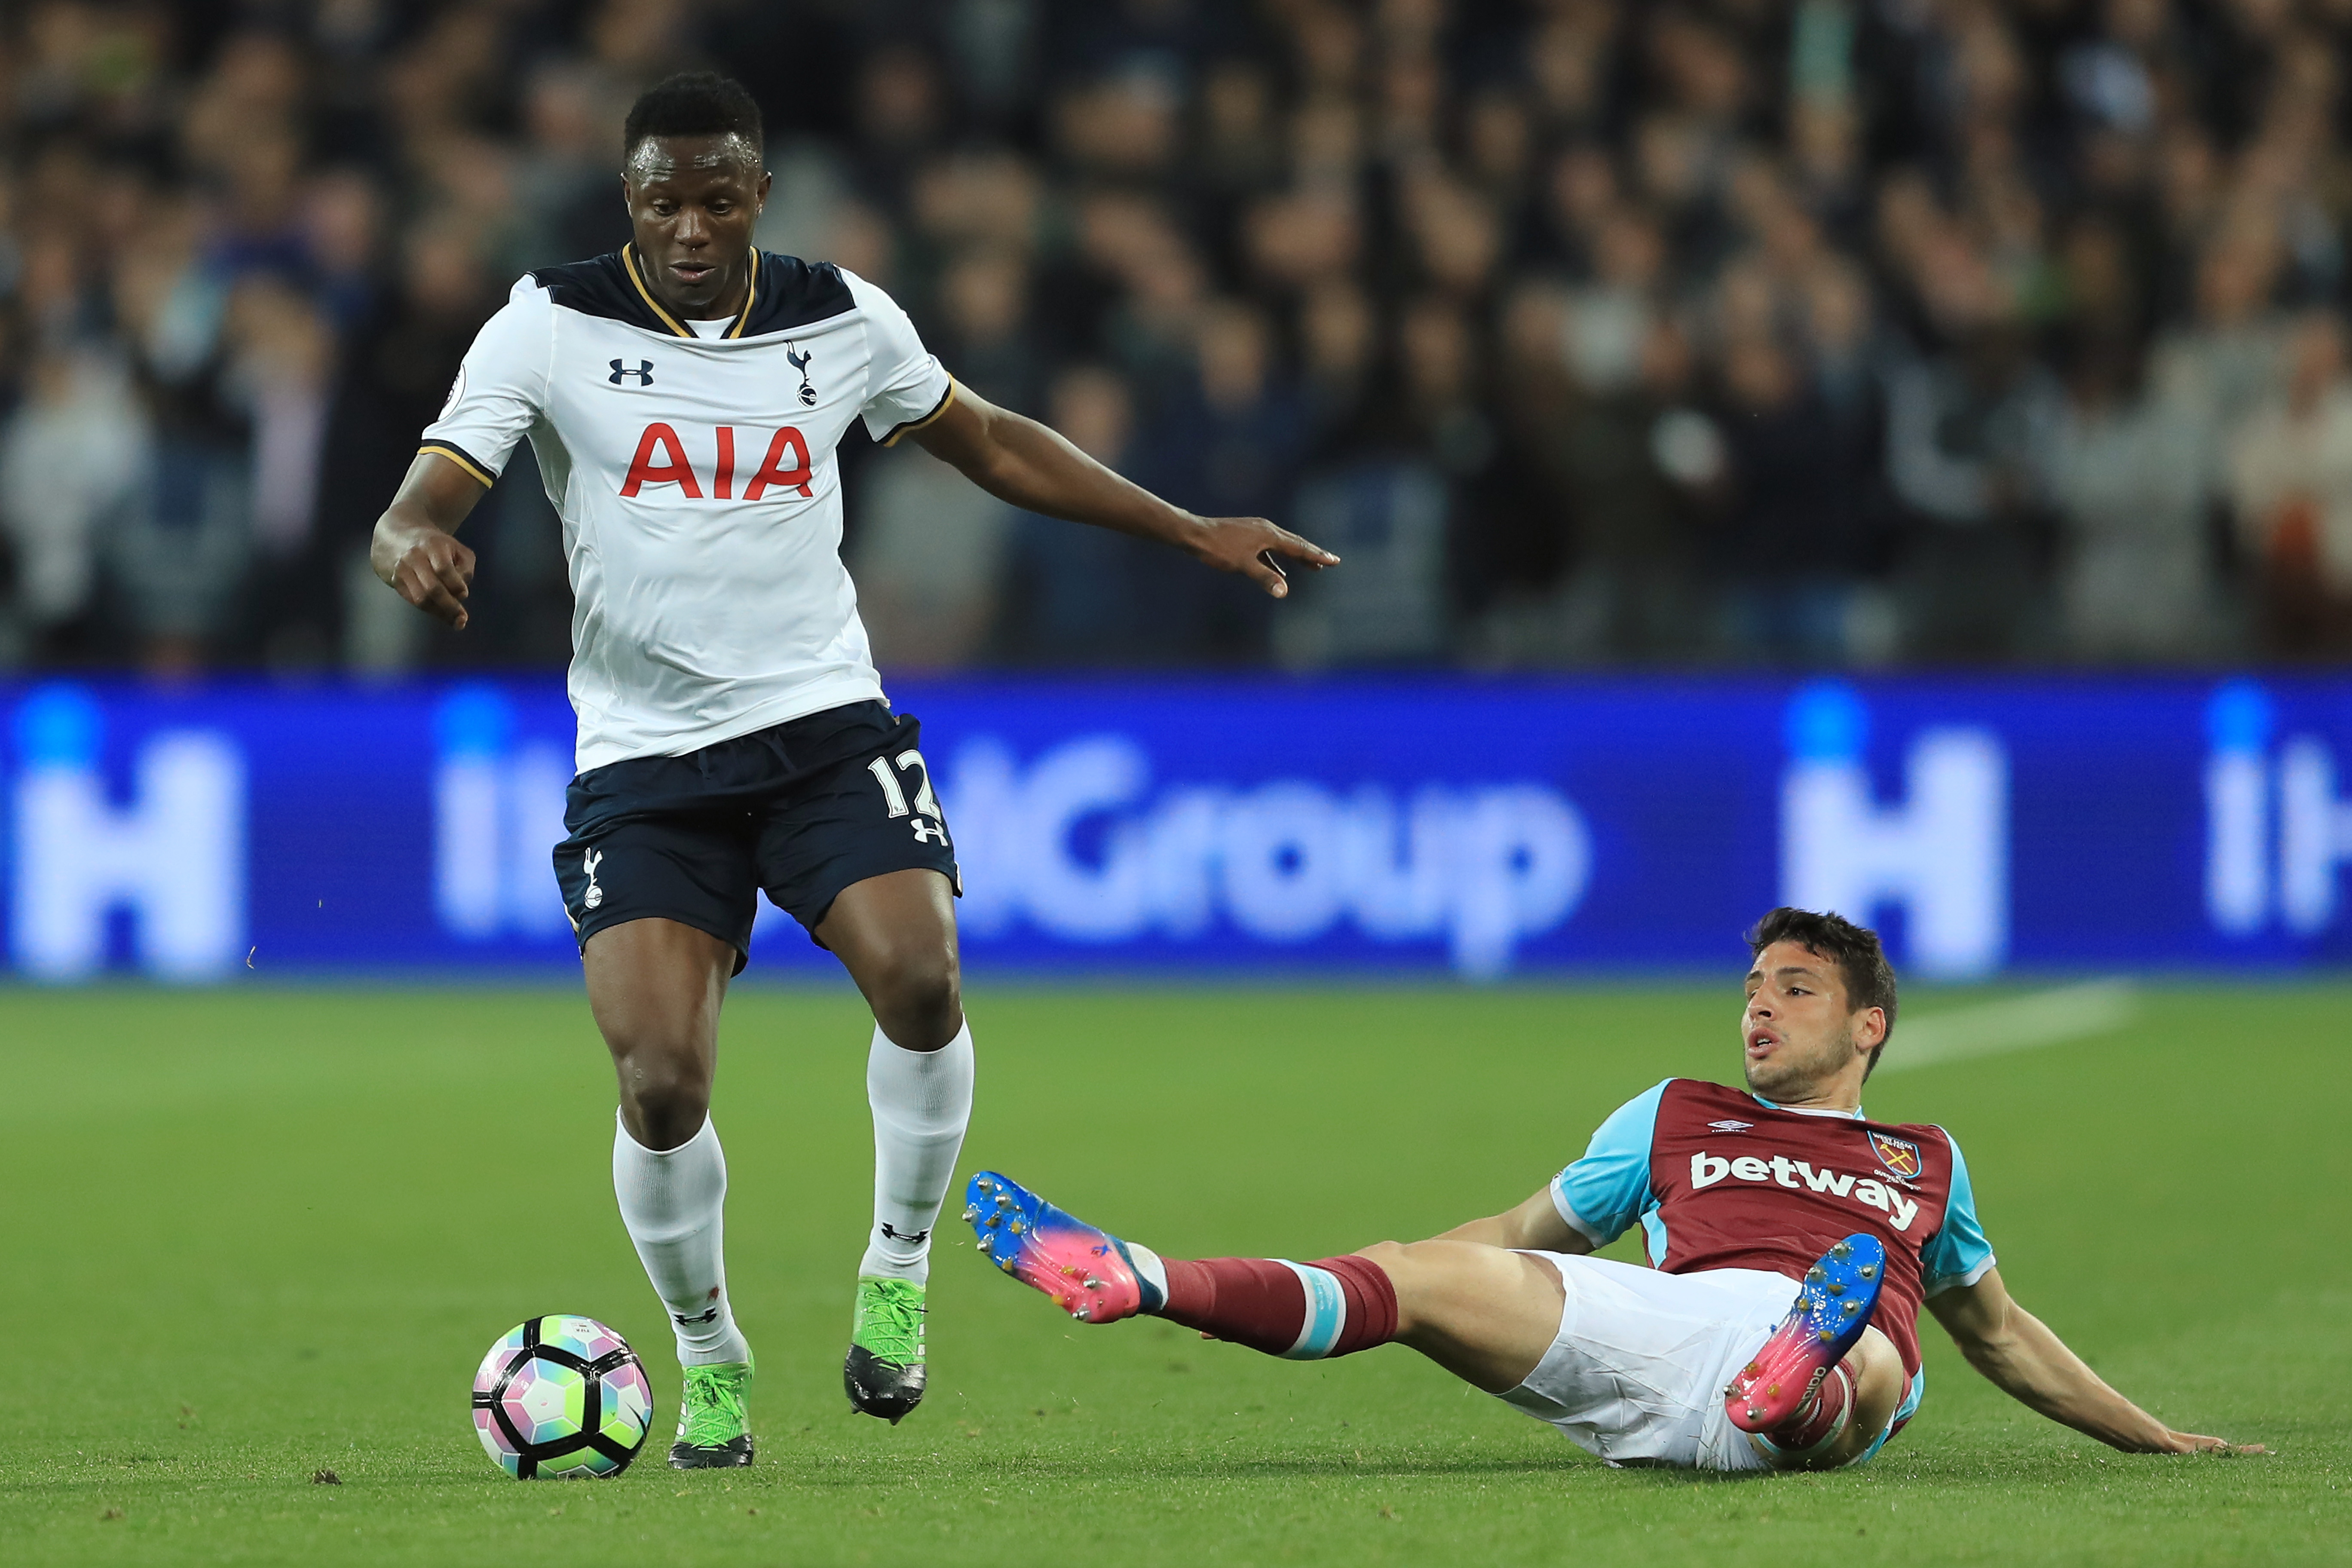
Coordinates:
column 562, row 1398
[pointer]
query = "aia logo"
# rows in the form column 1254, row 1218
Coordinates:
column 1900, row 1158
column 661, row 459
column 643, row 371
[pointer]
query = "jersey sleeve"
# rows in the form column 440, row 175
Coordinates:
column 1959, row 1254
column 906, row 385
column 502, row 386
column 1606, row 1190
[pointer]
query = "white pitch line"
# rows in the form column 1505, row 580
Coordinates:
column 2019, row 1023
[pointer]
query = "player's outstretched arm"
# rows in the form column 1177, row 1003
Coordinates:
column 1016, row 459
column 1534, row 1225
column 415, row 547
column 2017, row 1350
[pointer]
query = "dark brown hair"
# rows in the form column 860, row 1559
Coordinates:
column 1860, row 961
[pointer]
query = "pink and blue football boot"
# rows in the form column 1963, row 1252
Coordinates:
column 1088, row 1272
column 1832, row 1307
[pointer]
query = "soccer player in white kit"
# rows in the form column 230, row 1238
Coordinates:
column 683, row 397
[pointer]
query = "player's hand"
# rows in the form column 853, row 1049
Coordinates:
column 2190, row 1443
column 1250, row 545
column 430, row 569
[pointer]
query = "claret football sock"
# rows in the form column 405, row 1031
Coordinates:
column 921, row 1100
column 674, row 1202
column 1303, row 1312
column 1820, row 1420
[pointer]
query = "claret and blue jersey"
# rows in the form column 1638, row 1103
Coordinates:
column 1719, row 1178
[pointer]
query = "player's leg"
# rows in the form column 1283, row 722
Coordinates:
column 655, row 987
column 1484, row 1314
column 896, row 935
column 1560, row 1337
column 1802, row 1391
column 1846, row 1415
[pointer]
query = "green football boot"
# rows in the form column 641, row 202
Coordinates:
column 714, row 1418
column 884, row 1371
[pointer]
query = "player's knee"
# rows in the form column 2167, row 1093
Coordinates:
column 918, row 996
column 664, row 1096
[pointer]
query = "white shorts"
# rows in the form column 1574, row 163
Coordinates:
column 1636, row 1373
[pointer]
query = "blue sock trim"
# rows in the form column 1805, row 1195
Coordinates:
column 1326, row 1312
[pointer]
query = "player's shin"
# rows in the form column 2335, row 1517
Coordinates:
column 1305, row 1311
column 1301, row 1312
column 921, row 1101
column 1810, row 1437
column 673, row 1201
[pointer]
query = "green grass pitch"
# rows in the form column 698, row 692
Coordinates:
column 249, row 1236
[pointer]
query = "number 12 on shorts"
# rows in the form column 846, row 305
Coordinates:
column 926, row 805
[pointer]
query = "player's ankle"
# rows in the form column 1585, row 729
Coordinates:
column 1151, row 1277
column 882, row 1262
column 1820, row 1422
column 714, row 1350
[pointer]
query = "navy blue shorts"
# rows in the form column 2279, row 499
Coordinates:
column 799, row 812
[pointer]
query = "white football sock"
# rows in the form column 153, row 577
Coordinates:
column 921, row 1100
column 674, row 1202
column 1151, row 1274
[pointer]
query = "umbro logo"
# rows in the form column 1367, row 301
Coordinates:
column 643, row 371
column 1731, row 1126
column 918, row 1236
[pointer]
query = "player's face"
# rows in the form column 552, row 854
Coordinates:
column 693, row 201
column 1796, row 1035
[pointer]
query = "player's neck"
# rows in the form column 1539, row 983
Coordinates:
column 1841, row 1094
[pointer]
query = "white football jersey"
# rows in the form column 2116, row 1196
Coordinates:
column 695, row 478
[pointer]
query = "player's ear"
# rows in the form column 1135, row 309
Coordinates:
column 1870, row 1028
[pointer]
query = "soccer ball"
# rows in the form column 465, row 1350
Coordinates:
column 563, row 1398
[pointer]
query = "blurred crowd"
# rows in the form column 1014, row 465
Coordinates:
column 1722, row 332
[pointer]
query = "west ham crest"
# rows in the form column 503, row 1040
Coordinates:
column 1899, row 1157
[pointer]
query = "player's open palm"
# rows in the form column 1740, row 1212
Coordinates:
column 1254, row 548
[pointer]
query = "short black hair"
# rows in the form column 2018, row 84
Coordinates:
column 1860, row 961
column 694, row 104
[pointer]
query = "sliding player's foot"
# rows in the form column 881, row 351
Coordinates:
column 884, row 1373
column 1087, row 1271
column 1832, row 1307
column 714, row 1418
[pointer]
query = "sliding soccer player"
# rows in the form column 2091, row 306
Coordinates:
column 684, row 397
column 1702, row 1360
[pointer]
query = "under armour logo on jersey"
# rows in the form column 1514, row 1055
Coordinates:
column 643, row 373
column 917, row 1237
column 930, row 832
column 588, row 863
column 800, row 362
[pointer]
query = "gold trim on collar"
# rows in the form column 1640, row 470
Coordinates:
column 629, row 260
column 750, row 297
